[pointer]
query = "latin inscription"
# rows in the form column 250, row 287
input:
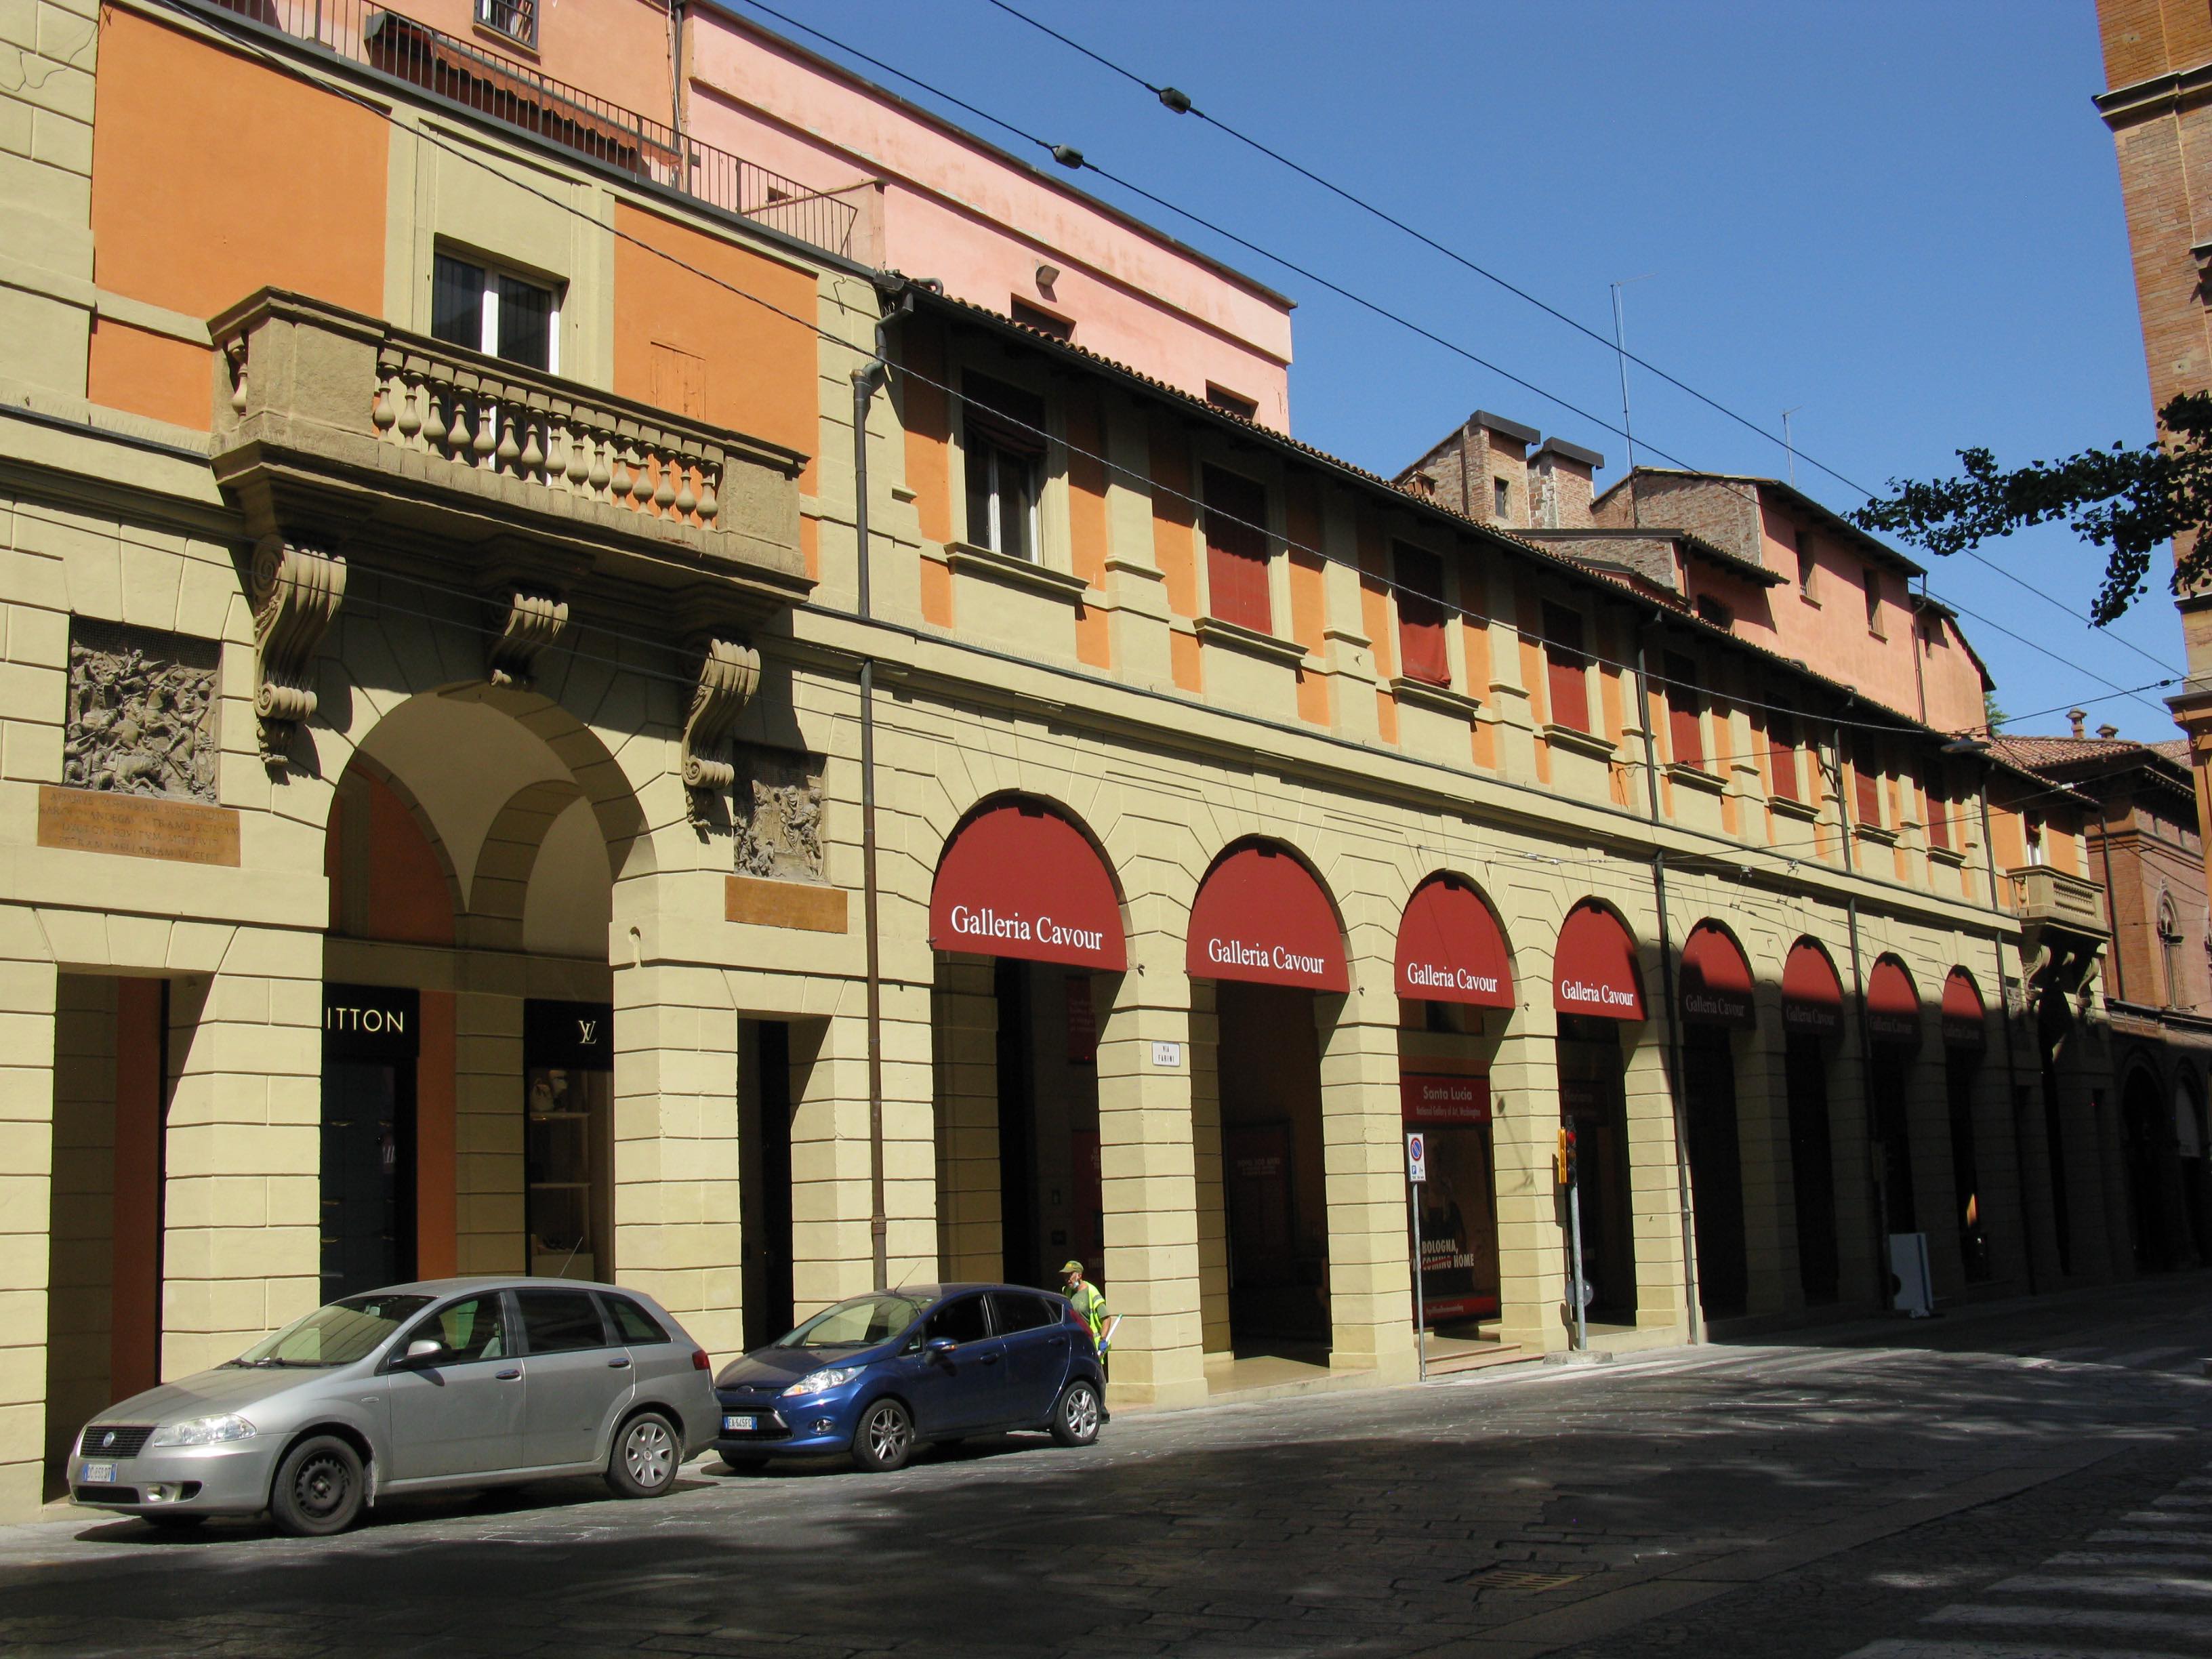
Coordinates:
column 137, row 826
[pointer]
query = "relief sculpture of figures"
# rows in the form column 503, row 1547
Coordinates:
column 141, row 713
column 780, row 836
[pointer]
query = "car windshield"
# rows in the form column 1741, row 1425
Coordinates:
column 336, row 1334
column 860, row 1324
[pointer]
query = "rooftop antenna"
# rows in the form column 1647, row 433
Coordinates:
column 1789, row 446
column 1627, row 427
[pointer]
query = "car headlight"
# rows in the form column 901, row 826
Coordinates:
column 834, row 1377
column 202, row 1431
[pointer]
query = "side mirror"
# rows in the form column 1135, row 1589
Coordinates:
column 940, row 1346
column 422, row 1352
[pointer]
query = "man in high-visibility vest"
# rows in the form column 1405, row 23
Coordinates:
column 1088, row 1303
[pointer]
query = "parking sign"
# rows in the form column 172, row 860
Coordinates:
column 1417, row 1158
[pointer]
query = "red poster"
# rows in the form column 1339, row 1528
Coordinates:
column 1428, row 1099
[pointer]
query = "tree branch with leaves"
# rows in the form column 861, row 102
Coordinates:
column 2130, row 501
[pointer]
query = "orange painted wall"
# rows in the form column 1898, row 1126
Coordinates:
column 926, row 416
column 437, row 1201
column 1309, row 591
column 1174, row 517
column 134, row 1337
column 760, row 369
column 1086, row 522
column 1375, row 618
column 409, row 900
column 199, row 197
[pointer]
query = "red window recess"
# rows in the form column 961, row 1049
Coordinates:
column 1866, row 770
column 1566, row 667
column 1236, row 551
column 1686, row 735
column 1782, row 754
column 1421, row 616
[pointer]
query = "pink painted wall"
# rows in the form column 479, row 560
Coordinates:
column 949, row 207
column 617, row 50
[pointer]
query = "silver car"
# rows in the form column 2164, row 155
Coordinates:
column 451, row 1383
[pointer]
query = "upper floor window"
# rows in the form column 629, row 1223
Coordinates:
column 1874, row 601
column 1865, row 772
column 1806, row 571
column 1685, row 711
column 1939, row 812
column 1715, row 611
column 1002, row 431
column 2031, row 830
column 1231, row 403
column 487, row 309
column 1045, row 322
column 1236, row 550
column 1421, row 648
column 515, row 19
column 1782, row 754
column 1501, row 495
column 2169, row 948
column 1567, row 668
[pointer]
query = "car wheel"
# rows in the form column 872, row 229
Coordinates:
column 886, row 1439
column 1075, row 1419
column 318, row 1490
column 743, row 1462
column 644, row 1459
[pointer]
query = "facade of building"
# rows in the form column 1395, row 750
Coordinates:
column 555, row 719
column 2158, row 102
column 2146, row 852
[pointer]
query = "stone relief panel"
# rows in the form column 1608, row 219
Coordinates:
column 141, row 712
column 778, row 802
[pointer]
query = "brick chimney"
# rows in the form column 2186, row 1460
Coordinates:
column 2079, row 716
column 1481, row 470
column 1560, row 485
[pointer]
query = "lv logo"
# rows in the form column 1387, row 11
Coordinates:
column 587, row 1030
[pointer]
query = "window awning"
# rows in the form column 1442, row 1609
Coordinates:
column 1965, row 1015
column 1892, row 1006
column 1594, row 970
column 1717, row 988
column 1019, row 880
column 1261, row 915
column 1450, row 948
column 1812, row 994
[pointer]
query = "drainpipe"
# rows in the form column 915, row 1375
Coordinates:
column 865, row 379
column 676, row 19
column 2012, row 1064
column 1877, row 1165
column 1676, row 1073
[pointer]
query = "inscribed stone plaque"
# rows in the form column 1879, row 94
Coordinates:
column 141, row 712
column 137, row 826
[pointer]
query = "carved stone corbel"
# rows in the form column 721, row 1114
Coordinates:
column 728, row 674
column 296, row 594
column 534, row 619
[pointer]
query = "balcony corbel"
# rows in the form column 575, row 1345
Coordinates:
column 297, row 591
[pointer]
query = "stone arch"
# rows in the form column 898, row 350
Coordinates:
column 370, row 767
column 500, row 886
column 1450, row 878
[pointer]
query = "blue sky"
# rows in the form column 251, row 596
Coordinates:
column 1901, row 220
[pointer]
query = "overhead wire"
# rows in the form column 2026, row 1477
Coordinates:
column 1895, row 726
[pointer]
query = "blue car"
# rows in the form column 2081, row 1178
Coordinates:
column 880, row 1374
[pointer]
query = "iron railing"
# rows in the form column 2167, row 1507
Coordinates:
column 519, row 96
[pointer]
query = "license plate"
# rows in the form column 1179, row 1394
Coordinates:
column 100, row 1474
column 740, row 1424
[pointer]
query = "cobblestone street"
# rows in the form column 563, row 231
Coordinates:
column 2028, row 1478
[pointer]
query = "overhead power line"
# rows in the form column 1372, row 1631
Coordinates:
column 1180, row 103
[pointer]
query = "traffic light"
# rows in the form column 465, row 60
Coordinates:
column 1564, row 1162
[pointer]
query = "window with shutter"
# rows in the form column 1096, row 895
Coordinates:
column 1686, row 737
column 1782, row 754
column 1939, row 812
column 1236, row 550
column 1566, row 667
column 1421, row 647
column 1867, row 774
column 1002, row 431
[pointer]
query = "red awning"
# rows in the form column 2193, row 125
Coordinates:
column 1892, row 1006
column 1715, row 979
column 1261, row 915
column 1019, row 880
column 1812, row 995
column 1594, row 971
column 1964, row 1014
column 1449, row 948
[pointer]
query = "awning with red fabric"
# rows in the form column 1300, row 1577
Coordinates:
column 1261, row 915
column 1812, row 994
column 1965, row 1015
column 1594, row 970
column 1715, row 979
column 1019, row 880
column 1450, row 948
column 1892, row 1006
